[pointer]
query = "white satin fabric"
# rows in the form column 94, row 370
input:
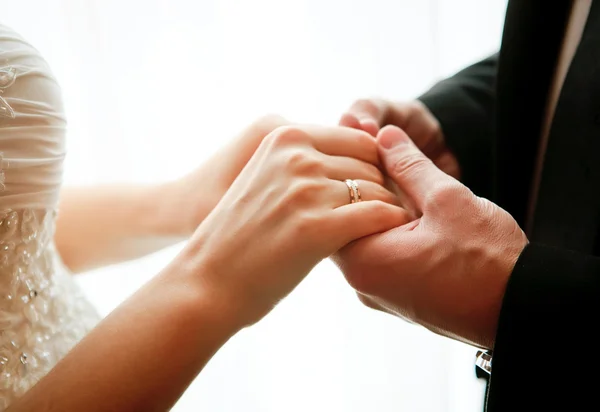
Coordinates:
column 42, row 311
column 33, row 142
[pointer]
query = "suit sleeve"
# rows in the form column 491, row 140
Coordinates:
column 546, row 356
column 464, row 106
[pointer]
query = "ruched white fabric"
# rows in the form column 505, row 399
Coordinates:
column 42, row 311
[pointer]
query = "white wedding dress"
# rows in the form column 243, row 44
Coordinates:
column 42, row 311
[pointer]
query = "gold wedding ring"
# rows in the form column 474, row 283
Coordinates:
column 353, row 190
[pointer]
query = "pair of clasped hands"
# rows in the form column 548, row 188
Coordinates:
column 431, row 253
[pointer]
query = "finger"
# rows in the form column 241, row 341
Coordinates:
column 370, row 126
column 343, row 141
column 422, row 127
column 349, row 120
column 370, row 115
column 240, row 150
column 367, row 125
column 408, row 167
column 404, row 201
column 342, row 168
column 448, row 163
column 341, row 194
column 354, row 221
column 252, row 135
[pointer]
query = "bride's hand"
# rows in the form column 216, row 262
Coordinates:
column 287, row 210
column 193, row 196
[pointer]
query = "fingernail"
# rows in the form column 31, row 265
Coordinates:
column 392, row 137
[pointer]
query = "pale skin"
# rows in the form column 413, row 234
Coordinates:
column 103, row 225
column 448, row 269
column 291, row 196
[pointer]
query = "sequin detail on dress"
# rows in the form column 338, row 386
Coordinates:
column 8, row 76
column 3, row 165
column 43, row 314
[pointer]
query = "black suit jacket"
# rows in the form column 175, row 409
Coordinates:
column 491, row 113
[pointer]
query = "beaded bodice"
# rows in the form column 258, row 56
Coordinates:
column 42, row 311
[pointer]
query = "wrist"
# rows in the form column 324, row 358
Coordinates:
column 200, row 301
column 506, row 256
column 228, row 303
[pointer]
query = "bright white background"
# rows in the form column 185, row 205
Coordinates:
column 153, row 87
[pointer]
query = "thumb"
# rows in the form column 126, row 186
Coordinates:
column 407, row 166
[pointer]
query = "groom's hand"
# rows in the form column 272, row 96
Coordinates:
column 448, row 269
column 414, row 118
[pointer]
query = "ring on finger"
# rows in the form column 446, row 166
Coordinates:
column 353, row 191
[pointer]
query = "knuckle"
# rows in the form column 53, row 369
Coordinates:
column 308, row 225
column 295, row 158
column 303, row 163
column 288, row 135
column 268, row 123
column 304, row 191
column 410, row 164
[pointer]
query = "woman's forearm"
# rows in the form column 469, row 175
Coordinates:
column 143, row 355
column 102, row 225
column 98, row 226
